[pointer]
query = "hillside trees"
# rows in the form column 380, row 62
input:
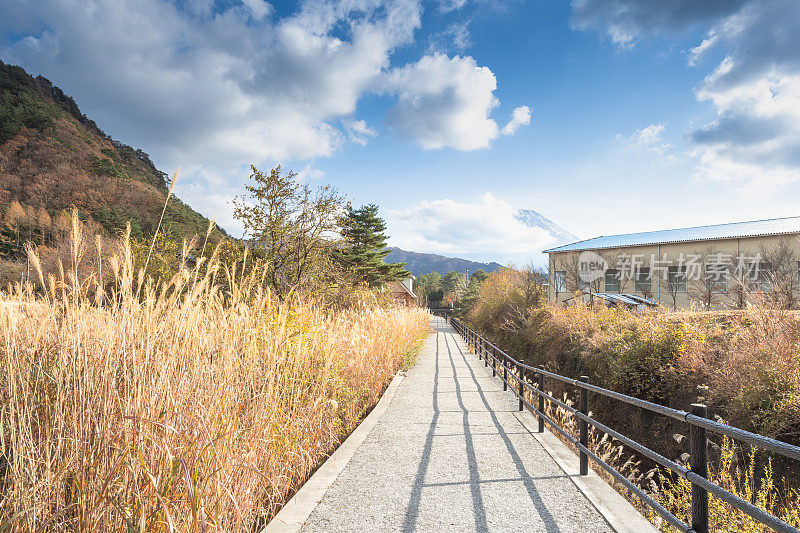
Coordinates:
column 287, row 223
column 363, row 248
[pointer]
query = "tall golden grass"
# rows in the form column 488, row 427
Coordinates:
column 185, row 408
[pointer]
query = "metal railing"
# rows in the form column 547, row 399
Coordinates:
column 699, row 424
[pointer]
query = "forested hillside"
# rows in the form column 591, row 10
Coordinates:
column 53, row 158
column 420, row 264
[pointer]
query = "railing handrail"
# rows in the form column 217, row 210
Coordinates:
column 698, row 426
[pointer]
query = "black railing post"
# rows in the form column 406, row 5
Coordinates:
column 521, row 382
column 584, row 436
column 698, row 444
column 494, row 364
column 505, row 370
column 541, row 401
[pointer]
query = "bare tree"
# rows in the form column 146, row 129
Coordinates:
column 533, row 280
column 779, row 274
column 708, row 278
column 672, row 286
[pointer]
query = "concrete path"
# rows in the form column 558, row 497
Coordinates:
column 449, row 455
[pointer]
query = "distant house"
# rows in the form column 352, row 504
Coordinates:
column 401, row 292
column 711, row 266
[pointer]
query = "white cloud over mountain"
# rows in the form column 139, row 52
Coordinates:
column 754, row 140
column 244, row 84
column 486, row 226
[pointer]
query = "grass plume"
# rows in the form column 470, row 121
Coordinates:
column 187, row 408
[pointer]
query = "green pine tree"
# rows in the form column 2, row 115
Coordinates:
column 364, row 248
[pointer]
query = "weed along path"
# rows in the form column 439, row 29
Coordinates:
column 451, row 453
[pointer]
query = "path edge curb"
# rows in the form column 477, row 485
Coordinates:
column 620, row 514
column 293, row 515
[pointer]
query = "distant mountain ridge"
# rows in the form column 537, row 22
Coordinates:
column 420, row 263
column 531, row 218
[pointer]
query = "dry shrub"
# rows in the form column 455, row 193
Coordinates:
column 736, row 476
column 743, row 364
column 178, row 406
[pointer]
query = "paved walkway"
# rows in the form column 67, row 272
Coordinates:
column 449, row 455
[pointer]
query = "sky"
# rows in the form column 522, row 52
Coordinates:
column 605, row 116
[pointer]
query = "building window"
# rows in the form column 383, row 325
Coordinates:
column 560, row 281
column 717, row 277
column 676, row 279
column 612, row 279
column 643, row 280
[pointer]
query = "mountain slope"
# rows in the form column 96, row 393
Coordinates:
column 533, row 219
column 52, row 157
column 421, row 264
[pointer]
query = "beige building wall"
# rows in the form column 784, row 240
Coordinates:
column 658, row 257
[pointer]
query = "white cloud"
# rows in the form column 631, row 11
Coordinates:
column 358, row 131
column 309, row 173
column 455, row 37
column 754, row 140
column 446, row 6
column 648, row 136
column 753, row 143
column 626, row 21
column 258, row 8
column 482, row 227
column 521, row 116
column 444, row 102
column 215, row 91
column 218, row 88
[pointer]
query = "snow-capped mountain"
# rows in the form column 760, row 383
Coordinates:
column 533, row 219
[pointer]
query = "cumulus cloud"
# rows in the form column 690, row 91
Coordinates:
column 444, row 102
column 467, row 228
column 232, row 85
column 217, row 89
column 753, row 142
column 625, row 21
column 239, row 85
column 521, row 116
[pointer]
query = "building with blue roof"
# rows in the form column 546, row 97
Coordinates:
column 710, row 267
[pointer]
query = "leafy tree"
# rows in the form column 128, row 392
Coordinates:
column 364, row 248
column 289, row 223
column 473, row 290
column 453, row 283
column 429, row 289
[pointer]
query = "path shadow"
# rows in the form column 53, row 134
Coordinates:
column 541, row 508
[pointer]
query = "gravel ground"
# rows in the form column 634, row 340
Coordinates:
column 448, row 455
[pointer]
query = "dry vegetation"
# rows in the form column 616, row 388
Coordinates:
column 179, row 406
column 743, row 364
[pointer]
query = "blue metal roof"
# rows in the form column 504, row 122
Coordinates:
column 733, row 230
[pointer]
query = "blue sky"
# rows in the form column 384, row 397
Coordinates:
column 643, row 114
